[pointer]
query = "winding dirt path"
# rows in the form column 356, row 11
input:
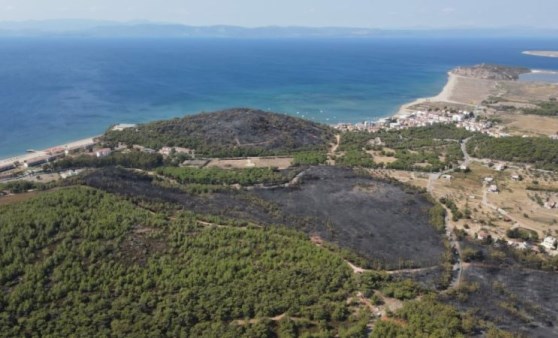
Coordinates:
column 333, row 150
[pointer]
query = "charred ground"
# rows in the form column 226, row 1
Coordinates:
column 233, row 132
column 380, row 221
column 510, row 288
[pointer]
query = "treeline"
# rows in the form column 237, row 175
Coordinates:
column 437, row 217
column 371, row 281
column 425, row 318
column 310, row 158
column 129, row 159
column 217, row 176
column 456, row 214
column 540, row 151
column 16, row 187
column 409, row 138
column 548, row 108
column 356, row 158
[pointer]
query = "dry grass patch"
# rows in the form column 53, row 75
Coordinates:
column 252, row 162
column 13, row 199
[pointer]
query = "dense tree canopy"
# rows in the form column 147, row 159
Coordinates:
column 540, row 151
column 77, row 261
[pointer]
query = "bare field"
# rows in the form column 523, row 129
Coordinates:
column 512, row 206
column 521, row 205
column 472, row 91
column 12, row 199
column 517, row 123
column 252, row 162
column 417, row 179
column 379, row 158
column 527, row 91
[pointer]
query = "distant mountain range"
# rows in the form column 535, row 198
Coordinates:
column 87, row 28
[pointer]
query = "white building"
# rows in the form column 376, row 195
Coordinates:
column 166, row 151
column 549, row 243
column 122, row 126
column 499, row 167
column 68, row 173
column 104, row 152
column 493, row 188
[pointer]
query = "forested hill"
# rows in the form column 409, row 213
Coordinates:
column 233, row 132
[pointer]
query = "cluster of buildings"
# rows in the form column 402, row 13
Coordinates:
column 549, row 243
column 462, row 119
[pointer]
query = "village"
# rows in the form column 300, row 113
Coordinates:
column 469, row 120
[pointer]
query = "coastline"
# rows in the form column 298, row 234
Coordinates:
column 78, row 144
column 444, row 96
column 455, row 83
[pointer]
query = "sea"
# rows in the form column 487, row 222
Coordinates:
column 56, row 90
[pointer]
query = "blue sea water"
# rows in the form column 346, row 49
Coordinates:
column 57, row 90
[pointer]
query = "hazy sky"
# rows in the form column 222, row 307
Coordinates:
column 354, row 13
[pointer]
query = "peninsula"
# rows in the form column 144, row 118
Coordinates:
column 544, row 53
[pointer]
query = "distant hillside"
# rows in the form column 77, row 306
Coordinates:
column 146, row 29
column 491, row 72
column 234, row 132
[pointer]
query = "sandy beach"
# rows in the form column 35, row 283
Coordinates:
column 79, row 144
column 445, row 95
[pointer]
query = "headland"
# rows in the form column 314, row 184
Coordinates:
column 543, row 53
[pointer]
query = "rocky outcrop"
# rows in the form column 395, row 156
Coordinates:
column 491, row 72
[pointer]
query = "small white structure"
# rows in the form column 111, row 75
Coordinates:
column 35, row 161
column 166, row 151
column 493, row 188
column 447, row 177
column 500, row 167
column 457, row 118
column 122, row 126
column 488, row 180
column 104, row 152
column 68, row 173
column 549, row 243
column 516, row 177
column 378, row 142
column 524, row 246
column 463, row 167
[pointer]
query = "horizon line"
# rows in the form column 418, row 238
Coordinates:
column 174, row 23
